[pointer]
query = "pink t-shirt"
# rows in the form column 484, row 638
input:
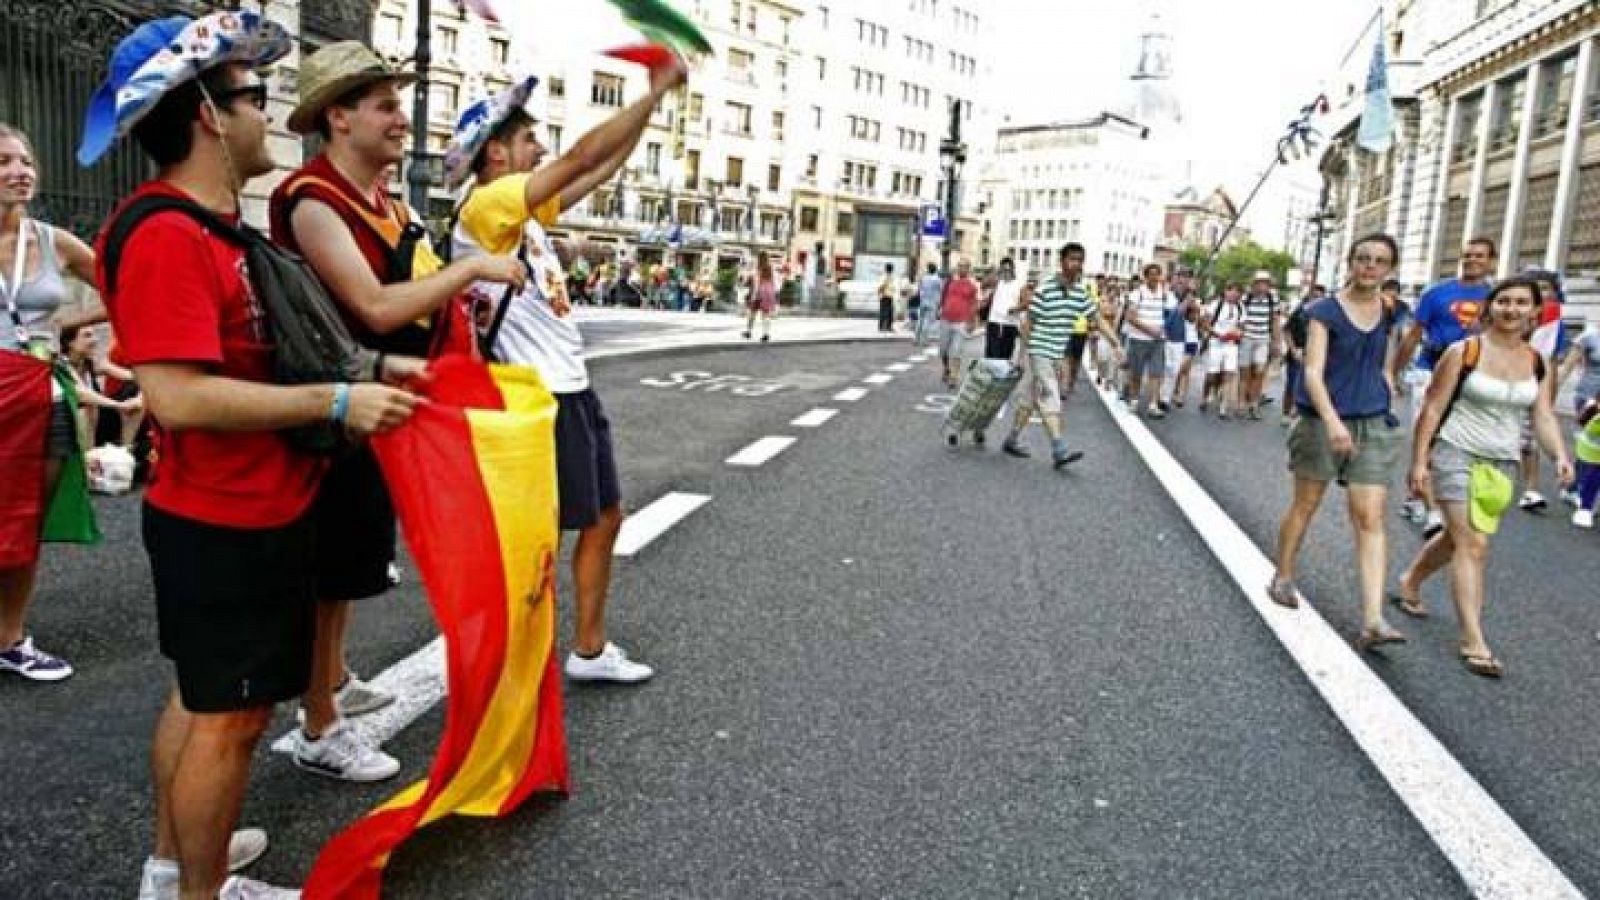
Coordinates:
column 960, row 300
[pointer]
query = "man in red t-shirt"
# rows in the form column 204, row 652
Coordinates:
column 397, row 298
column 958, row 316
column 224, row 520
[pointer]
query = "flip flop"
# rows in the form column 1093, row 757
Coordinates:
column 1369, row 640
column 1410, row 607
column 1484, row 664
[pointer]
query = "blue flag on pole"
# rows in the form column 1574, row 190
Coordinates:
column 1377, row 120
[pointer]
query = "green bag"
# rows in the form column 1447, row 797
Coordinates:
column 70, row 518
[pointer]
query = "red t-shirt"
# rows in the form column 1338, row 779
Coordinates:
column 182, row 296
column 960, row 300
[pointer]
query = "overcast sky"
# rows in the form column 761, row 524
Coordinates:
column 1243, row 68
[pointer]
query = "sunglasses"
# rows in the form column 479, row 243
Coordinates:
column 255, row 93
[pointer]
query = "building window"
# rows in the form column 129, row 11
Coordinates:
column 449, row 41
column 696, row 109
column 652, row 158
column 811, row 166
column 784, row 20
column 738, row 118
column 691, row 170
column 555, row 139
column 1507, row 113
column 500, row 51
column 781, row 69
column 390, row 30
column 777, row 126
column 558, row 87
column 808, row 218
column 1555, row 94
column 736, row 14
column 443, row 98
column 1466, row 137
column 606, row 90
column 816, row 117
column 846, row 224
column 774, row 177
column 822, row 68
column 729, row 218
column 735, row 172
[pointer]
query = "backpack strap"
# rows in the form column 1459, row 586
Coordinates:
column 136, row 212
column 1471, row 352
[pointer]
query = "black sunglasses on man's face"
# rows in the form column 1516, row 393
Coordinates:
column 255, row 93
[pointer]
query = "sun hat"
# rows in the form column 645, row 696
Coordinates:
column 161, row 55
column 1262, row 275
column 476, row 123
column 1488, row 494
column 334, row 71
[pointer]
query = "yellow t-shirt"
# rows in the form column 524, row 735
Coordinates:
column 496, row 212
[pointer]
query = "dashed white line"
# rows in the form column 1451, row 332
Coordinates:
column 1492, row 853
column 814, row 418
column 898, row 367
column 916, row 359
column 761, row 451
column 850, row 395
column 877, row 378
column 644, row 526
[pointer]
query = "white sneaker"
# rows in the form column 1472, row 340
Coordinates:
column 1583, row 518
column 358, row 698
column 237, row 888
column 612, row 664
column 1532, row 501
column 1433, row 524
column 339, row 753
column 1570, row 498
column 159, row 880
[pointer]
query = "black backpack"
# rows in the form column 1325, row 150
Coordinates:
column 310, row 343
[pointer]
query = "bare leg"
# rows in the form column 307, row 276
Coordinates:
column 16, row 585
column 207, row 792
column 1292, row 531
column 166, row 749
column 1466, row 576
column 1366, row 516
column 327, row 667
column 591, row 579
column 131, row 421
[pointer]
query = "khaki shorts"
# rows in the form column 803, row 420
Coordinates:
column 1451, row 468
column 1378, row 445
column 1042, row 376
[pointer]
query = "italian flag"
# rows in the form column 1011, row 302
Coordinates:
column 617, row 24
column 473, row 477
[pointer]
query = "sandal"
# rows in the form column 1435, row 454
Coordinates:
column 1483, row 663
column 1283, row 592
column 1412, row 608
column 1369, row 640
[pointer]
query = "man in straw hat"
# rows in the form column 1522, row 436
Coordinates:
column 512, row 201
column 226, row 521
column 375, row 259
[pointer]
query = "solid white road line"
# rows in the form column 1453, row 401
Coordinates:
column 898, row 367
column 850, row 395
column 1494, row 856
column 878, row 378
column 417, row 683
column 761, row 451
column 815, row 418
column 644, row 526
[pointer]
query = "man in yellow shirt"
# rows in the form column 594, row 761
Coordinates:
column 513, row 200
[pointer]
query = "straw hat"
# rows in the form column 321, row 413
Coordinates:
column 334, row 71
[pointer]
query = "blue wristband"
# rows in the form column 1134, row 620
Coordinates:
column 341, row 403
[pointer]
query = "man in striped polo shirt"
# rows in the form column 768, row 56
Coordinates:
column 1049, row 315
column 1262, row 339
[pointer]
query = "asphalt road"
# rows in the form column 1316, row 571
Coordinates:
column 886, row 670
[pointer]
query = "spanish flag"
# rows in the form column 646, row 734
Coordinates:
column 474, row 484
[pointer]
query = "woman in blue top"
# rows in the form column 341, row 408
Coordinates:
column 1346, row 430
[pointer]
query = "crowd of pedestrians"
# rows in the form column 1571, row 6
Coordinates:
column 260, row 552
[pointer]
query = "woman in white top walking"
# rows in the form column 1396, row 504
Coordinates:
column 33, row 256
column 1469, row 439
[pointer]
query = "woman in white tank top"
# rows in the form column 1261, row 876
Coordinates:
column 1495, row 381
column 32, row 259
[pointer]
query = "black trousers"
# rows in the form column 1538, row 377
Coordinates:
column 885, row 313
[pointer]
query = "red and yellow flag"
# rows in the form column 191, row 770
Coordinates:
column 474, row 484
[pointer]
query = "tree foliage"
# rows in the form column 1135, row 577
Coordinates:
column 1237, row 263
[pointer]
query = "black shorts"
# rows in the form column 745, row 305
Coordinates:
column 355, row 529
column 235, row 608
column 586, row 467
column 1075, row 345
column 999, row 340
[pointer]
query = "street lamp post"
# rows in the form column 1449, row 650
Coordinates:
column 418, row 176
column 952, row 154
